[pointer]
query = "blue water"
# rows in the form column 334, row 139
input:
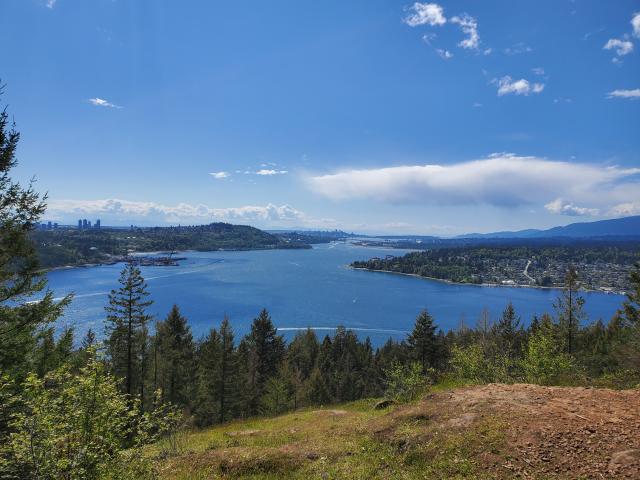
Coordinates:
column 303, row 288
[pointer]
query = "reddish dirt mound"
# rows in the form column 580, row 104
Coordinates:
column 554, row 431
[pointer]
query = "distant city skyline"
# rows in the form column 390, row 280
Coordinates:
column 374, row 116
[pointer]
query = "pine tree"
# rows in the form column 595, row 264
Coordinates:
column 264, row 353
column 227, row 384
column 507, row 332
column 175, row 358
column 570, row 308
column 126, row 327
column 20, row 277
column 423, row 342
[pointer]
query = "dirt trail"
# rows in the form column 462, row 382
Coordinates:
column 555, row 432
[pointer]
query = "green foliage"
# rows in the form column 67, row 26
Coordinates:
column 79, row 426
column 471, row 363
column 423, row 342
column 405, row 383
column 544, row 361
column 173, row 359
column 25, row 303
column 126, row 328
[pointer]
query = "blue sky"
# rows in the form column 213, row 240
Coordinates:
column 374, row 116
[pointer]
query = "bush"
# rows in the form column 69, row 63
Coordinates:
column 79, row 426
column 405, row 382
column 544, row 363
column 473, row 364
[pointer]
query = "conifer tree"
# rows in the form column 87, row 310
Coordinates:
column 423, row 342
column 20, row 277
column 570, row 309
column 228, row 377
column 126, row 327
column 264, row 353
column 175, row 359
column 507, row 332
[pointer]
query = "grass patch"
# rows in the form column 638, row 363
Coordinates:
column 349, row 441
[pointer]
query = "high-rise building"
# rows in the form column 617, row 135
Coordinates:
column 49, row 225
column 85, row 224
column 97, row 225
column 79, row 224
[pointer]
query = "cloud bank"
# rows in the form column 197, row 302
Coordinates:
column 123, row 212
column 502, row 180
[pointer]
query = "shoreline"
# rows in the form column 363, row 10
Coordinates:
column 451, row 282
column 133, row 254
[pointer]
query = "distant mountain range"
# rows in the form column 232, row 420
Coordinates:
column 619, row 227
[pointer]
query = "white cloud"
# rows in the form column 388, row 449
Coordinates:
column 51, row 3
column 469, row 26
column 565, row 208
column 538, row 71
column 621, row 47
column 425, row 14
column 268, row 172
column 100, row 102
column 506, row 86
column 632, row 94
column 503, row 180
column 150, row 213
column 635, row 22
column 446, row 54
column 220, row 175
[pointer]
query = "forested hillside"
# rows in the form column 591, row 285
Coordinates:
column 64, row 246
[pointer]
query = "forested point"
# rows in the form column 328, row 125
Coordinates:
column 67, row 246
column 605, row 267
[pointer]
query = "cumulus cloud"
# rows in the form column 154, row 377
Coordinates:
column 446, row 54
column 51, row 3
column 635, row 23
column 566, row 208
column 469, row 26
column 220, row 175
column 620, row 47
column 507, row 85
column 101, row 102
column 502, row 180
column 151, row 213
column 425, row 14
column 632, row 94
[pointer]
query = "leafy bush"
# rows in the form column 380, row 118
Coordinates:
column 405, row 382
column 78, row 426
column 544, row 363
column 473, row 364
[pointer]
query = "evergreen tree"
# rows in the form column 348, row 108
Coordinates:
column 507, row 332
column 264, row 353
column 228, row 377
column 570, row 309
column 208, row 361
column 126, row 327
column 423, row 342
column 175, row 359
column 20, row 277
